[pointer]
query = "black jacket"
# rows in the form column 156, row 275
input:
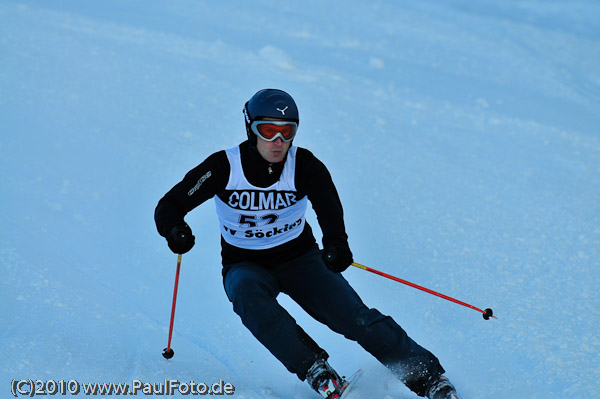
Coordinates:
column 210, row 178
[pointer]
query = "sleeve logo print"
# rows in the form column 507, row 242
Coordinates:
column 199, row 183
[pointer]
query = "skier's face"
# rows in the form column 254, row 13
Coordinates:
column 272, row 151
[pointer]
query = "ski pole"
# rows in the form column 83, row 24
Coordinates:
column 486, row 313
column 168, row 352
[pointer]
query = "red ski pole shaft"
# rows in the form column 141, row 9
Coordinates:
column 168, row 352
column 486, row 313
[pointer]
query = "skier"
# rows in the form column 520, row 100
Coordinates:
column 261, row 189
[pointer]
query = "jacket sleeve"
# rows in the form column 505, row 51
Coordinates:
column 199, row 185
column 313, row 179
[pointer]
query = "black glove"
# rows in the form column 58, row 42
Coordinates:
column 337, row 257
column 181, row 239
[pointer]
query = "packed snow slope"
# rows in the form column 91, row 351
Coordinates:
column 463, row 137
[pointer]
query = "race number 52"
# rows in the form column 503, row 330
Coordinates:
column 250, row 220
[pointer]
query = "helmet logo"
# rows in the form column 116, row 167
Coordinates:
column 282, row 110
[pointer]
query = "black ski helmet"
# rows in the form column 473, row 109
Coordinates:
column 269, row 103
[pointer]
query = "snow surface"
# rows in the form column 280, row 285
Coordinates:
column 463, row 137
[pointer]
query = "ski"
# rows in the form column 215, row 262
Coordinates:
column 348, row 383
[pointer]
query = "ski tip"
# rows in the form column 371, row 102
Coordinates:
column 348, row 382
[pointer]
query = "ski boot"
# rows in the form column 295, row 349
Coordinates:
column 324, row 379
column 441, row 388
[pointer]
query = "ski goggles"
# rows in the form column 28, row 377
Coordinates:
column 270, row 130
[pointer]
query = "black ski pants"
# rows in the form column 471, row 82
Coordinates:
column 329, row 298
